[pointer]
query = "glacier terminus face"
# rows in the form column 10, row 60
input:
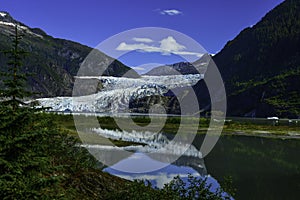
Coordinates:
column 117, row 92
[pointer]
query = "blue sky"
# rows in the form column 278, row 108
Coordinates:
column 211, row 23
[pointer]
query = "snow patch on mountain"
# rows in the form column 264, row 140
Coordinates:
column 2, row 14
column 13, row 25
column 20, row 27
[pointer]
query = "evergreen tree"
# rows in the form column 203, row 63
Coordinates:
column 18, row 141
column 25, row 151
column 13, row 80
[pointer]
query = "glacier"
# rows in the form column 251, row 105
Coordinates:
column 117, row 92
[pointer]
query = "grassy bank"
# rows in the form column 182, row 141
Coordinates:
column 238, row 126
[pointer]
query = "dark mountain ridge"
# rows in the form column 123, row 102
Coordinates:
column 269, row 48
column 261, row 66
column 54, row 62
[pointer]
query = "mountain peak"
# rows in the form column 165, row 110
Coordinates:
column 6, row 17
column 3, row 14
column 8, row 23
column 183, row 68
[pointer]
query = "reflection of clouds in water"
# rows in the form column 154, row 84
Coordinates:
column 135, row 156
column 159, row 179
column 138, row 162
column 184, row 167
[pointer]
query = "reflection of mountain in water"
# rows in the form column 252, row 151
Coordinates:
column 156, row 143
column 157, row 147
column 144, row 163
column 182, row 167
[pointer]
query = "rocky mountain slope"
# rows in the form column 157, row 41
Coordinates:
column 183, row 68
column 53, row 62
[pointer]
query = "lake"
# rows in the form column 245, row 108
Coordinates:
column 260, row 167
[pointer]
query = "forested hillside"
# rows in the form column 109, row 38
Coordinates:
column 53, row 62
column 261, row 66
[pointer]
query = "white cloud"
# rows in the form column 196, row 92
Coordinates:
column 144, row 40
column 167, row 46
column 138, row 68
column 170, row 12
column 139, row 46
column 188, row 53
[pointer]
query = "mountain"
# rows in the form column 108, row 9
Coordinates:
column 183, row 68
column 53, row 62
column 261, row 66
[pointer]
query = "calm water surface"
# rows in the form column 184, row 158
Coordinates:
column 261, row 168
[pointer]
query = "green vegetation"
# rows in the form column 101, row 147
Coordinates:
column 268, row 128
column 195, row 188
column 260, row 67
column 37, row 160
column 13, row 80
column 276, row 96
column 251, row 127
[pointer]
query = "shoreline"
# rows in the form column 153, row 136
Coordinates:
column 262, row 135
column 235, row 127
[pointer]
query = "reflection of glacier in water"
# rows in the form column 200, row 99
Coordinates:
column 155, row 145
column 118, row 92
column 139, row 165
column 140, row 158
column 155, row 142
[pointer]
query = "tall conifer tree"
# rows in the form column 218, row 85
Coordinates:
column 14, row 79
